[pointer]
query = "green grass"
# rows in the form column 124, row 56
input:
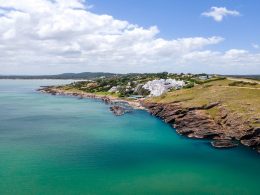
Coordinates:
column 244, row 101
column 69, row 88
column 106, row 94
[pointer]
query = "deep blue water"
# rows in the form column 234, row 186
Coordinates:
column 63, row 145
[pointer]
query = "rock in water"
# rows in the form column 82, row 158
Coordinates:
column 224, row 143
column 117, row 110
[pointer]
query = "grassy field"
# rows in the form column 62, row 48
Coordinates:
column 71, row 89
column 239, row 97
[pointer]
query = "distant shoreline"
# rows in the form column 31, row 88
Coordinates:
column 136, row 104
column 40, row 79
column 95, row 75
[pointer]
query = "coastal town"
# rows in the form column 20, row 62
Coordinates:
column 136, row 86
column 130, row 88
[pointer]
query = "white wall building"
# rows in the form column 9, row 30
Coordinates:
column 158, row 87
column 114, row 89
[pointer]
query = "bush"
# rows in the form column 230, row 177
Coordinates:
column 189, row 85
column 241, row 83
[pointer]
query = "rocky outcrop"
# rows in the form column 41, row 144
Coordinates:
column 194, row 122
column 56, row 91
column 48, row 89
column 252, row 138
column 224, row 143
column 233, row 123
column 118, row 107
column 197, row 125
column 191, row 122
column 117, row 110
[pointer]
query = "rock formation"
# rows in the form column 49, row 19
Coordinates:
column 117, row 110
column 193, row 122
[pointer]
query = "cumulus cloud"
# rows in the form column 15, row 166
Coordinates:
column 53, row 36
column 218, row 13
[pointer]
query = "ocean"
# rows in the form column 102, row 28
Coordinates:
column 65, row 145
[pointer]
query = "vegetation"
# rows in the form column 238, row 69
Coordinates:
column 242, row 84
column 238, row 97
column 131, row 84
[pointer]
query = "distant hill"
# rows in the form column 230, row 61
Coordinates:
column 93, row 75
column 254, row 77
column 83, row 75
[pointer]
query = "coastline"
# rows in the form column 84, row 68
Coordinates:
column 191, row 122
column 136, row 104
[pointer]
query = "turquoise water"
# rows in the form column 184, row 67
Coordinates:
column 63, row 145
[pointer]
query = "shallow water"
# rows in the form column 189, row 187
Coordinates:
column 63, row 145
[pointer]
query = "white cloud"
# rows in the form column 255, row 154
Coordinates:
column 234, row 53
column 53, row 36
column 218, row 13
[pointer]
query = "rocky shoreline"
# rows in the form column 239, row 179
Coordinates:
column 106, row 99
column 227, row 132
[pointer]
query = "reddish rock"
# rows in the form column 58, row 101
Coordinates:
column 195, row 123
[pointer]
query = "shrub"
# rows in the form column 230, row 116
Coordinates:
column 241, row 83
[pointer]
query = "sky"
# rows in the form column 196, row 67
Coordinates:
column 191, row 36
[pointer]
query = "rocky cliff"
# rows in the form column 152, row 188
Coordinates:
column 227, row 130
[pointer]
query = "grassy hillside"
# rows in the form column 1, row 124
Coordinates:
column 238, row 97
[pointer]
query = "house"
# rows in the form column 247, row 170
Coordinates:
column 158, row 87
column 205, row 77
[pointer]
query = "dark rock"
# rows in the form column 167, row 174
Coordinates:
column 252, row 138
column 200, row 125
column 106, row 100
column 117, row 110
column 170, row 119
column 253, row 132
column 224, row 143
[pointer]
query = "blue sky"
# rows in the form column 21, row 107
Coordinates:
column 122, row 36
column 182, row 18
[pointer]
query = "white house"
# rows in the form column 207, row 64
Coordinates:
column 158, row 87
